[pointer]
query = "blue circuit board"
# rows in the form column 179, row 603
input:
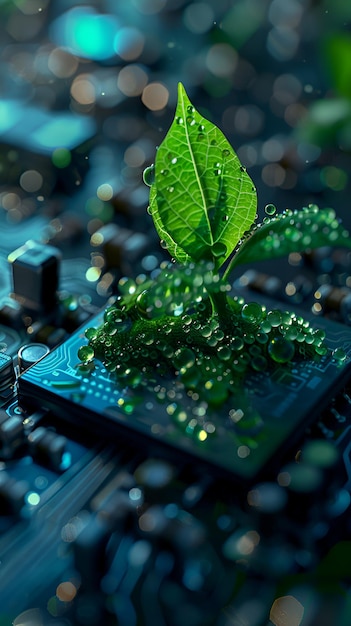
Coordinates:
column 239, row 438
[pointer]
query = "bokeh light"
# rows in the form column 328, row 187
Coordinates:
column 155, row 96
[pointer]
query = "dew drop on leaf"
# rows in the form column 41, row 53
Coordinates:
column 270, row 209
column 179, row 120
column 219, row 249
column 149, row 175
column 225, row 153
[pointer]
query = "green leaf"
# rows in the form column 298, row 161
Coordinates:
column 292, row 231
column 202, row 200
column 175, row 250
column 338, row 61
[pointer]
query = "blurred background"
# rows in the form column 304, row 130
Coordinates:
column 88, row 90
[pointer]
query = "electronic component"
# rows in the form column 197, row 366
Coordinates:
column 7, row 374
column 30, row 354
column 12, row 493
column 238, row 442
column 35, row 271
column 47, row 447
column 119, row 245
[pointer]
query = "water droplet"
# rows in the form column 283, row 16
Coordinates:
column 149, row 175
column 225, row 218
column 339, row 354
column 321, row 350
column 206, row 331
column 164, row 172
column 218, row 334
column 191, row 120
column 237, row 343
column 242, row 168
column 126, row 286
column 86, row 354
column 219, row 249
column 174, row 160
column 213, row 142
column 190, row 108
column 170, row 189
column 274, row 318
column 252, row 312
column 90, row 333
column 224, row 353
column 262, row 338
column 281, row 350
column 270, row 209
column 217, row 172
column 179, row 120
column 201, row 128
column 201, row 136
column 183, row 358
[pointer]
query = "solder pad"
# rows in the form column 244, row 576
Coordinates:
column 239, row 438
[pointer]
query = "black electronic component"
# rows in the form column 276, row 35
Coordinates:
column 7, row 375
column 89, row 551
column 241, row 445
column 47, row 447
column 35, row 271
column 11, row 433
column 120, row 245
column 12, row 494
column 11, row 314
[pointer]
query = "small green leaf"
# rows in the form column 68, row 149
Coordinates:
column 202, row 200
column 292, row 231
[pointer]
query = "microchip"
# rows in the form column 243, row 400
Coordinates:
column 239, row 438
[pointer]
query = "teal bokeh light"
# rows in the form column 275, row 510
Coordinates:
column 86, row 33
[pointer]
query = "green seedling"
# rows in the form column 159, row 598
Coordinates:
column 186, row 323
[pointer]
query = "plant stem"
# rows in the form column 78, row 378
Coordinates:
column 220, row 307
column 230, row 267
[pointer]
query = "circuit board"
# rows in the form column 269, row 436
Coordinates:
column 137, row 504
column 277, row 405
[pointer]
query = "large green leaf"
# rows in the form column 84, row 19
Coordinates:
column 174, row 249
column 292, row 231
column 202, row 199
